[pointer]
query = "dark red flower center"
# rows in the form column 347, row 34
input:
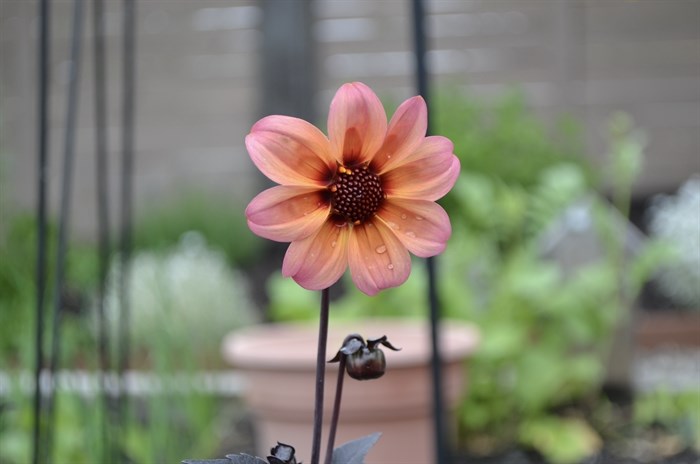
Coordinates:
column 356, row 193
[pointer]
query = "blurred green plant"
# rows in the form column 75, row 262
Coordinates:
column 546, row 332
column 503, row 140
column 18, row 288
column 187, row 292
column 163, row 427
column 216, row 220
column 676, row 412
column 170, row 292
column 183, row 282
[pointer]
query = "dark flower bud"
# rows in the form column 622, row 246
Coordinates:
column 363, row 361
column 282, row 454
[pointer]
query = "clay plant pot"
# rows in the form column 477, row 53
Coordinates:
column 278, row 364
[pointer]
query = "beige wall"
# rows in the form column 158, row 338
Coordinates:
column 198, row 89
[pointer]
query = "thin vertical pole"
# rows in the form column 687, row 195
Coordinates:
column 42, row 167
column 102, row 214
column 64, row 215
column 442, row 453
column 125, row 222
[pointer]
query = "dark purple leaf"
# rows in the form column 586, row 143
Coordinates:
column 354, row 452
column 371, row 344
column 245, row 459
column 209, row 461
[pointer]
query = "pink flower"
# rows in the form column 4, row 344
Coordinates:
column 362, row 197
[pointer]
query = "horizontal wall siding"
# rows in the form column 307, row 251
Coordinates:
column 199, row 88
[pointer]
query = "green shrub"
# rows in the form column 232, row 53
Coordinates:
column 503, row 140
column 221, row 223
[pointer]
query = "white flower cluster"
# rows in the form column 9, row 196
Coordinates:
column 188, row 296
column 676, row 220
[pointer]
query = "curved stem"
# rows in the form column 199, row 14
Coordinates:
column 320, row 376
column 336, row 410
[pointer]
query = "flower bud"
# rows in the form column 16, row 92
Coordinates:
column 363, row 361
column 282, row 454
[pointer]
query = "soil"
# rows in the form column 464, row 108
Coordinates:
column 605, row 457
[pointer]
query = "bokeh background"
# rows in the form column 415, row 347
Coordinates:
column 548, row 102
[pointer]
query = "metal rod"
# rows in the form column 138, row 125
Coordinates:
column 422, row 85
column 44, row 54
column 102, row 213
column 64, row 215
column 126, row 200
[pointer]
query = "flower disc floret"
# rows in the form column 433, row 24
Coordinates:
column 356, row 194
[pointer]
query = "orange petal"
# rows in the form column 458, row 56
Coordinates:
column 377, row 259
column 356, row 124
column 287, row 213
column 318, row 261
column 406, row 132
column 428, row 174
column 422, row 226
column 290, row 151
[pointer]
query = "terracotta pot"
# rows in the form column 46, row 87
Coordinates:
column 278, row 362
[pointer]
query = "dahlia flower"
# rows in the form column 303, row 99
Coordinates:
column 363, row 197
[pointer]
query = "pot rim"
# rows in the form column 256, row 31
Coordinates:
column 292, row 346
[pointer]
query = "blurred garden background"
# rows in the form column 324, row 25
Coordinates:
column 576, row 218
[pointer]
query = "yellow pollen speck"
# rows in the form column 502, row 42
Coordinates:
column 348, row 171
column 334, row 188
column 357, row 223
column 342, row 169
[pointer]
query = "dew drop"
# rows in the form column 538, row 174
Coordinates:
column 403, row 216
column 419, row 218
column 390, row 266
column 380, row 249
column 393, row 225
column 333, row 244
column 411, row 234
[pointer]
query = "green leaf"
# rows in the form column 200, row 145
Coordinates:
column 560, row 440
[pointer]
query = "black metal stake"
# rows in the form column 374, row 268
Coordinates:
column 442, row 452
column 64, row 216
column 102, row 215
column 126, row 200
column 42, row 181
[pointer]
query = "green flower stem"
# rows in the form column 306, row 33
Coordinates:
column 320, row 377
column 336, row 410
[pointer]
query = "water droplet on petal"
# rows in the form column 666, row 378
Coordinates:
column 419, row 218
column 403, row 216
column 393, row 225
column 390, row 266
column 333, row 244
column 380, row 249
column 410, row 234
